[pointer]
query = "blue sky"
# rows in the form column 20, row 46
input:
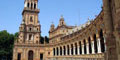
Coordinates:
column 75, row 12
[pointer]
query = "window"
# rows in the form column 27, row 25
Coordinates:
column 31, row 19
column 30, row 55
column 30, row 29
column 34, row 6
column 31, row 5
column 19, row 56
column 30, row 37
column 28, row 5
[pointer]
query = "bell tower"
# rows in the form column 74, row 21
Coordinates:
column 30, row 28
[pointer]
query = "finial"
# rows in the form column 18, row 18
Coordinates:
column 61, row 16
column 88, row 19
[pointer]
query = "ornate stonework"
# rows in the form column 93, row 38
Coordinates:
column 98, row 39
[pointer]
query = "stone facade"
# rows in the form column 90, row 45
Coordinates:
column 98, row 39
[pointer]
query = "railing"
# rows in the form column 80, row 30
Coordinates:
column 80, row 57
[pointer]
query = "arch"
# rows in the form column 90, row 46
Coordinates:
column 19, row 56
column 28, row 4
column 102, row 41
column 80, row 48
column 31, row 5
column 84, row 46
column 90, row 48
column 95, row 44
column 54, row 51
column 71, row 49
column 30, row 55
column 35, row 6
column 60, row 50
column 76, row 51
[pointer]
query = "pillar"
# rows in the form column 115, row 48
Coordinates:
column 70, row 49
column 56, row 51
column 62, row 50
column 93, row 51
column 78, row 50
column 83, row 49
column 73, row 49
column 99, row 45
column 87, row 47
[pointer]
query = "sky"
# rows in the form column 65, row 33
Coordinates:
column 75, row 12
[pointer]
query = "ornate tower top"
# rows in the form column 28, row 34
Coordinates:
column 52, row 27
column 61, row 22
column 30, row 28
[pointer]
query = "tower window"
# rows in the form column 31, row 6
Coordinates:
column 31, row 5
column 28, row 5
column 30, row 29
column 30, row 37
column 34, row 6
column 31, row 19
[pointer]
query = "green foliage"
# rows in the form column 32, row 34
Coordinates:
column 6, row 44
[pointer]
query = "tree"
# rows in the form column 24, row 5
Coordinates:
column 6, row 45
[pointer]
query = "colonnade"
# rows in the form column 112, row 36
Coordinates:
column 91, row 45
column 32, row 5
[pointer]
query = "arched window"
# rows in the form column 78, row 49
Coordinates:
column 71, row 49
column 30, row 37
column 30, row 55
column 54, row 51
column 30, row 29
column 31, row 19
column 84, row 46
column 76, row 51
column 60, row 50
column 34, row 6
column 80, row 48
column 90, row 48
column 102, row 41
column 31, row 5
column 95, row 44
column 19, row 56
column 28, row 5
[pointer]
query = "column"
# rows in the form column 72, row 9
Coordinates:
column 56, row 51
column 78, row 47
column 59, row 51
column 33, row 5
column 93, row 51
column 105, row 43
column 36, row 5
column 62, row 50
column 73, row 49
column 87, row 47
column 99, row 45
column 82, row 49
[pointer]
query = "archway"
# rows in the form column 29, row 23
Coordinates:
column 102, row 41
column 30, row 55
column 95, row 44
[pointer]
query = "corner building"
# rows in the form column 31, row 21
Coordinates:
column 97, row 39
